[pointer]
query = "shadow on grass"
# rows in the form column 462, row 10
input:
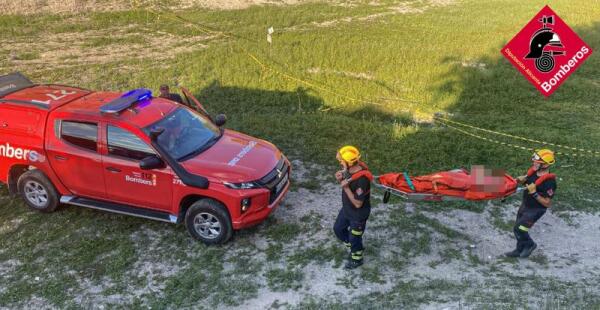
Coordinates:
column 492, row 95
column 73, row 244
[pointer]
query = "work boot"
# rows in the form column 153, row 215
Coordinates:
column 513, row 253
column 348, row 245
column 527, row 251
column 353, row 263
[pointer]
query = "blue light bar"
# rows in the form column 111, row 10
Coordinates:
column 126, row 101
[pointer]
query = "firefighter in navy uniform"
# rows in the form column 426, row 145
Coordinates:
column 541, row 186
column 355, row 180
column 167, row 94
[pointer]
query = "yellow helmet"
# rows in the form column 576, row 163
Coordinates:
column 543, row 156
column 349, row 154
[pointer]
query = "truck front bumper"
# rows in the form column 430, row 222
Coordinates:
column 257, row 215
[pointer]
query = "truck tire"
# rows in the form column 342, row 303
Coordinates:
column 208, row 221
column 37, row 191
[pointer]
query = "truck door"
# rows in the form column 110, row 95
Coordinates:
column 73, row 154
column 198, row 106
column 125, row 181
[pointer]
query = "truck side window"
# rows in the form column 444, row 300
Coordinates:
column 84, row 135
column 125, row 144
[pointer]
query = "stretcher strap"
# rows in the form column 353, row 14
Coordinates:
column 408, row 181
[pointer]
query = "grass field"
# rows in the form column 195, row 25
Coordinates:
column 370, row 74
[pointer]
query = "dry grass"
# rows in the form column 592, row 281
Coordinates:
column 26, row 7
column 409, row 7
column 354, row 75
column 98, row 47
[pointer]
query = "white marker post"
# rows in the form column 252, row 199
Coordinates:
column 269, row 33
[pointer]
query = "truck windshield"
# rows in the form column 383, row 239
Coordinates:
column 186, row 134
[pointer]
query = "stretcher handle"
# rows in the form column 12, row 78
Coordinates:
column 386, row 196
column 409, row 182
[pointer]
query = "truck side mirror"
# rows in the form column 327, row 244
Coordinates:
column 155, row 132
column 151, row 162
column 220, row 120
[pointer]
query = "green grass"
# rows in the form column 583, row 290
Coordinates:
column 208, row 281
column 280, row 279
column 499, row 222
column 283, row 231
column 44, row 251
column 496, row 97
column 28, row 56
column 489, row 295
column 416, row 65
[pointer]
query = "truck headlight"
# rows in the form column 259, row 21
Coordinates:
column 243, row 185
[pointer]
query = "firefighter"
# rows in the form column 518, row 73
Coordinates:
column 541, row 186
column 355, row 180
column 167, row 94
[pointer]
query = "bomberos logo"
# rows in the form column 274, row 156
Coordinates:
column 9, row 151
column 546, row 51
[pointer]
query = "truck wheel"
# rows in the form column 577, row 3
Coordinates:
column 37, row 191
column 208, row 221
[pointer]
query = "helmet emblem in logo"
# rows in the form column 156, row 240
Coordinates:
column 545, row 44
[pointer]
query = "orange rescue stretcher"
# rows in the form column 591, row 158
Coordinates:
column 453, row 185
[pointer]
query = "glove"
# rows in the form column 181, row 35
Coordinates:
column 531, row 188
column 521, row 179
column 345, row 183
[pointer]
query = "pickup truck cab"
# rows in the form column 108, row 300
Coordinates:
column 134, row 154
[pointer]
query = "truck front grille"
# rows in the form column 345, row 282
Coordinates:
column 276, row 179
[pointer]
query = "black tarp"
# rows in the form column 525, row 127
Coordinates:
column 13, row 82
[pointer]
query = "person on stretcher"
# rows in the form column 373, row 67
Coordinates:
column 480, row 184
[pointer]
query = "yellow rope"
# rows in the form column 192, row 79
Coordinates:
column 512, row 145
column 517, row 137
column 440, row 119
column 262, row 64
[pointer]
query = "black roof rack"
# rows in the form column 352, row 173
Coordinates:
column 26, row 102
column 13, row 82
column 126, row 101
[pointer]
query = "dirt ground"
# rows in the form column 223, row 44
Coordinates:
column 412, row 246
column 74, row 6
column 118, row 45
column 425, row 249
column 25, row 7
column 568, row 247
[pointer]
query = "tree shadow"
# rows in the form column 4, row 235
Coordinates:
column 299, row 122
column 493, row 95
column 238, row 101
